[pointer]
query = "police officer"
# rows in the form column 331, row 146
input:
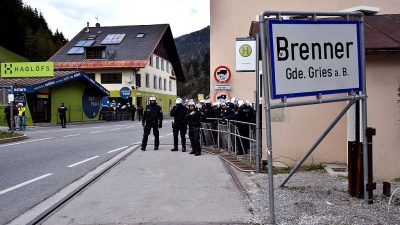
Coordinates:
column 193, row 118
column 179, row 112
column 152, row 119
column 62, row 112
column 244, row 114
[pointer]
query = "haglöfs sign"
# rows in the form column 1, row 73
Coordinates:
column 314, row 57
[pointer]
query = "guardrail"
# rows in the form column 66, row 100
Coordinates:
column 114, row 115
column 232, row 136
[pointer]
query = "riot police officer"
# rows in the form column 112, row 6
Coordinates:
column 193, row 118
column 179, row 125
column 152, row 119
column 62, row 111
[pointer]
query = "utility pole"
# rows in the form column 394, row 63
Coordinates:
column 12, row 111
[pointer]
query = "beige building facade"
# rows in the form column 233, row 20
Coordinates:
column 295, row 129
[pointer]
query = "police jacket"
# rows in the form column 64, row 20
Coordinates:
column 62, row 110
column 194, row 118
column 153, row 114
column 208, row 113
column 179, row 112
column 245, row 114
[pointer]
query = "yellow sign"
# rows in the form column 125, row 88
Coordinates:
column 245, row 50
column 26, row 69
column 200, row 96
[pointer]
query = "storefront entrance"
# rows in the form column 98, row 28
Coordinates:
column 40, row 107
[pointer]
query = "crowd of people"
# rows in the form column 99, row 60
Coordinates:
column 191, row 115
column 18, row 119
column 118, row 111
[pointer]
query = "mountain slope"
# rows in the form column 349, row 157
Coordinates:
column 8, row 56
column 194, row 54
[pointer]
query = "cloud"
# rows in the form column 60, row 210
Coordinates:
column 70, row 16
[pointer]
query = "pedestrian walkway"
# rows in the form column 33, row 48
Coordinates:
column 159, row 187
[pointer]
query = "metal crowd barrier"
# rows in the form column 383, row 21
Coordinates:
column 226, row 135
column 114, row 116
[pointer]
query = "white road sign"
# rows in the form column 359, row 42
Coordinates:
column 246, row 54
column 312, row 57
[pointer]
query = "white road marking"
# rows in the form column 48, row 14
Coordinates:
column 97, row 127
column 24, row 183
column 117, row 149
column 83, row 161
column 117, row 126
column 131, row 127
column 24, row 142
column 170, row 134
column 72, row 135
column 116, row 129
column 95, row 132
column 161, row 136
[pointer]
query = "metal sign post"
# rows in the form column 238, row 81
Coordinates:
column 307, row 64
column 257, row 105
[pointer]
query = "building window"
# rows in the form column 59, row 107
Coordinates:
column 170, row 85
column 91, row 76
column 111, row 78
column 147, row 80
column 167, row 67
column 140, row 35
column 162, row 64
column 157, row 62
column 138, row 81
column 165, row 84
column 160, row 83
column 155, row 82
column 151, row 60
column 173, row 72
column 95, row 53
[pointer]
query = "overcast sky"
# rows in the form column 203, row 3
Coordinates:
column 70, row 16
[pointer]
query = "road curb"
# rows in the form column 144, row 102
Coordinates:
column 43, row 210
column 13, row 139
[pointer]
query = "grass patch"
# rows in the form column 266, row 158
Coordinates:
column 342, row 177
column 5, row 134
column 281, row 170
column 397, row 179
column 312, row 167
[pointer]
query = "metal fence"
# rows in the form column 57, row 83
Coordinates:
column 234, row 137
column 114, row 115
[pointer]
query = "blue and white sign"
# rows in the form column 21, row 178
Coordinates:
column 314, row 57
column 90, row 104
column 105, row 101
column 125, row 92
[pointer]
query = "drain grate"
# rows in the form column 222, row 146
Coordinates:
column 339, row 169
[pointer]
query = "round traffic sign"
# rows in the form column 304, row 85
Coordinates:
column 221, row 96
column 222, row 74
column 245, row 50
column 125, row 92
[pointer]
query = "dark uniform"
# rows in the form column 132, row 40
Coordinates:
column 62, row 111
column 140, row 112
column 152, row 119
column 244, row 114
column 179, row 112
column 194, row 118
column 8, row 116
column 133, row 111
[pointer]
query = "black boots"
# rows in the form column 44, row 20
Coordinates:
column 183, row 149
column 155, row 147
column 143, row 148
column 174, row 149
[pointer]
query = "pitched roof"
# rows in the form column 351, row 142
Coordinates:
column 382, row 33
column 34, row 84
column 131, row 52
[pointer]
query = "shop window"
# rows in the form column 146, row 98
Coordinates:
column 111, row 78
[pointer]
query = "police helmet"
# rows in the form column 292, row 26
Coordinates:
column 178, row 101
column 240, row 103
column 235, row 100
column 191, row 103
column 216, row 104
column 201, row 101
column 152, row 98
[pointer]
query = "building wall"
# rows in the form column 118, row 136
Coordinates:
column 74, row 90
column 383, row 89
column 295, row 129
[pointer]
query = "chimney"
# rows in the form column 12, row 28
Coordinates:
column 97, row 24
column 87, row 27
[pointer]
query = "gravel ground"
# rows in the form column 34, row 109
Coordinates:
column 317, row 198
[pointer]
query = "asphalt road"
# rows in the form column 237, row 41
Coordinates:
column 52, row 158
